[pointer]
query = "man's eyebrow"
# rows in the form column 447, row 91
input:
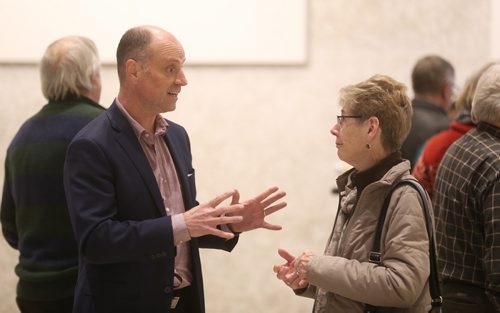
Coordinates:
column 176, row 60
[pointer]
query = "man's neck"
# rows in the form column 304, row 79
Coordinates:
column 145, row 119
column 433, row 99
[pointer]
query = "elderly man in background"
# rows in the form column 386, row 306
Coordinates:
column 34, row 211
column 433, row 80
column 467, row 208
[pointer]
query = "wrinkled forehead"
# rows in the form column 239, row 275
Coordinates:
column 167, row 47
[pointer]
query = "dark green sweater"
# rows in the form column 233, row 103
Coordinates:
column 34, row 212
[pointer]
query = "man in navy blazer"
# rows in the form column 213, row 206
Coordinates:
column 131, row 193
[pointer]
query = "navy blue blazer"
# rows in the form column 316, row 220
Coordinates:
column 125, row 238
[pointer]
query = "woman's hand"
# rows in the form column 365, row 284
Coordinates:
column 301, row 263
column 288, row 272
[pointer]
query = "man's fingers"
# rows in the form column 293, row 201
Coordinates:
column 275, row 197
column 265, row 194
column 286, row 255
column 219, row 233
column 230, row 219
column 228, row 209
column 236, row 197
column 266, row 225
column 218, row 200
column 270, row 210
column 222, row 234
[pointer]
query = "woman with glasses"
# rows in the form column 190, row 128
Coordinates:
column 375, row 119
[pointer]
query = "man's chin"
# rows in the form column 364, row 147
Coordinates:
column 169, row 108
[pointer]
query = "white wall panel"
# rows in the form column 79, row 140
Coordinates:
column 212, row 32
column 495, row 30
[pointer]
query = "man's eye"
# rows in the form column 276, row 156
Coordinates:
column 171, row 69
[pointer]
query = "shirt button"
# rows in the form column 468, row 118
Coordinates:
column 168, row 209
column 167, row 290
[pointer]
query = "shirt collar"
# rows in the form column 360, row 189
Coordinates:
column 161, row 124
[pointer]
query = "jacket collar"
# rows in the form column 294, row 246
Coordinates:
column 383, row 171
column 419, row 103
column 71, row 101
column 132, row 148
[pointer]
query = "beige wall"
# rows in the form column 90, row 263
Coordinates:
column 252, row 127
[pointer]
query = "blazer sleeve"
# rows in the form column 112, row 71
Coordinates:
column 105, row 232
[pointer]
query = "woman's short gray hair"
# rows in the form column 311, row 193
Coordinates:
column 385, row 98
column 486, row 102
column 68, row 66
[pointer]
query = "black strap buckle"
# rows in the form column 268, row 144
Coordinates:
column 437, row 301
column 375, row 257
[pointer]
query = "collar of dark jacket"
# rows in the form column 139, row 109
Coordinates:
column 363, row 179
column 425, row 105
column 73, row 100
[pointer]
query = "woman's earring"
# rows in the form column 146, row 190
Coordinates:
column 368, row 146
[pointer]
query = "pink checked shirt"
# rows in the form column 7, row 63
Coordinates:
column 161, row 162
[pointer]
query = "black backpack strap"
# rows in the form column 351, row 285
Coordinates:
column 375, row 255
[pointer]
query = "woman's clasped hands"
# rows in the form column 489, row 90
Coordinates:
column 294, row 272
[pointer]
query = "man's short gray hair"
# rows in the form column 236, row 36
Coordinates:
column 430, row 74
column 486, row 102
column 67, row 67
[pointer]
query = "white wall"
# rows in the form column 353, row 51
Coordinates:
column 242, row 27
column 255, row 126
column 495, row 29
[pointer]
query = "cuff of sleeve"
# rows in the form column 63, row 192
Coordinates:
column 227, row 227
column 181, row 233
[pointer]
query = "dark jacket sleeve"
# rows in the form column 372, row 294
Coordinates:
column 8, row 211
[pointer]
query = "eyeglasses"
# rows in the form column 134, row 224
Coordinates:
column 342, row 118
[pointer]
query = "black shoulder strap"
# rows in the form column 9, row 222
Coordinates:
column 375, row 255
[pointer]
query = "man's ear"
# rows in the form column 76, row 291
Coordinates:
column 132, row 69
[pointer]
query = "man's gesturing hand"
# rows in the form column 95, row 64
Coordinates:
column 257, row 208
column 203, row 219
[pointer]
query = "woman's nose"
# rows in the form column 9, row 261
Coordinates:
column 335, row 130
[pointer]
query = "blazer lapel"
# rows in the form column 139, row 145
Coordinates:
column 180, row 167
column 128, row 141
